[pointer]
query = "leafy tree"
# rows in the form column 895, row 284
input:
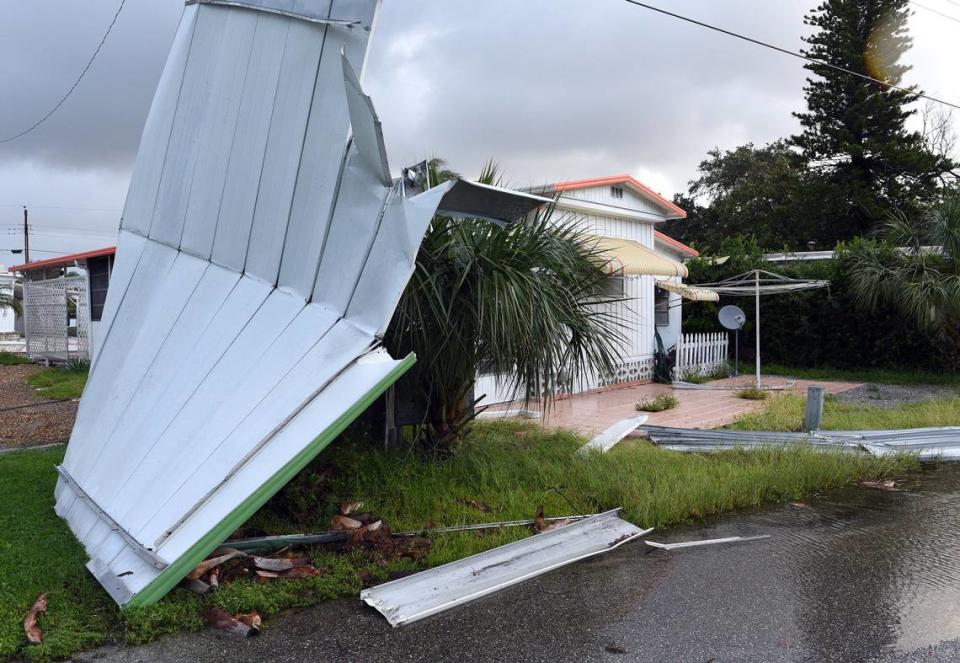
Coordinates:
column 518, row 300
column 758, row 191
column 853, row 132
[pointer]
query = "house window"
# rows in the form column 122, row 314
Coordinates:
column 613, row 287
column 99, row 270
column 616, row 192
column 661, row 308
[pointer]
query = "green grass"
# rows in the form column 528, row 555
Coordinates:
column 659, row 404
column 513, row 468
column 11, row 359
column 59, row 382
column 38, row 554
column 698, row 378
column 751, row 394
column 785, row 413
column 878, row 375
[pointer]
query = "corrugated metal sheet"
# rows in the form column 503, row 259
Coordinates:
column 927, row 443
column 261, row 254
column 430, row 592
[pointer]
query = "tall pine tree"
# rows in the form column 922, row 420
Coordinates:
column 854, row 130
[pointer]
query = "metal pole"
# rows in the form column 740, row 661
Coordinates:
column 736, row 352
column 756, row 276
column 26, row 237
column 814, row 412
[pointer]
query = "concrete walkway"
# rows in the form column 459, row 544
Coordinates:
column 594, row 412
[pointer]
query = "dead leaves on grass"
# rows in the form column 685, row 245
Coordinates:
column 227, row 564
column 242, row 625
column 34, row 634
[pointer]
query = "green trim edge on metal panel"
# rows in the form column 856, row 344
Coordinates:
column 180, row 567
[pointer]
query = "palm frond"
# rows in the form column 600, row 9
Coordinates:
column 9, row 303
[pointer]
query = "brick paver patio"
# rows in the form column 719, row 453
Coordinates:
column 593, row 412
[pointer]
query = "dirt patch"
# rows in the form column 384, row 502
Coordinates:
column 892, row 395
column 34, row 425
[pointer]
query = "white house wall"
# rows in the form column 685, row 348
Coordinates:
column 7, row 317
column 631, row 203
column 636, row 312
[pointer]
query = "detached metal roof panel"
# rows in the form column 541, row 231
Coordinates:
column 230, row 355
column 435, row 590
column 482, row 201
column 261, row 255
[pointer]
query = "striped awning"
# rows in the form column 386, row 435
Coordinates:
column 688, row 292
column 632, row 258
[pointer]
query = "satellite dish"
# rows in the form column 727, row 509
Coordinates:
column 732, row 317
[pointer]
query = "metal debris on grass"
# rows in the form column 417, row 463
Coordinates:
column 940, row 443
column 705, row 542
column 338, row 536
column 610, row 437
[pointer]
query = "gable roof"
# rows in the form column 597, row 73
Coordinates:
column 679, row 246
column 672, row 210
column 60, row 261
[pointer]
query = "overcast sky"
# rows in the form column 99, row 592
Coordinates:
column 551, row 89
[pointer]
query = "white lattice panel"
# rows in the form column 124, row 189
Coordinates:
column 46, row 318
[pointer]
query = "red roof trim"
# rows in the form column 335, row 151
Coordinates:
column 692, row 252
column 64, row 260
column 622, row 179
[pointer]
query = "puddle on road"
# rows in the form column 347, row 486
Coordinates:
column 866, row 571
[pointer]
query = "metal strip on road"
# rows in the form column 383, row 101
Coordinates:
column 433, row 591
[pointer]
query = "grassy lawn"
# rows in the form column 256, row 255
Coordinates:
column 503, row 472
column 878, row 375
column 11, row 359
column 56, row 383
column 785, row 413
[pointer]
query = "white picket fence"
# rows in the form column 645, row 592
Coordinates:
column 701, row 354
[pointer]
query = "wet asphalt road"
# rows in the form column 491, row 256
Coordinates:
column 862, row 575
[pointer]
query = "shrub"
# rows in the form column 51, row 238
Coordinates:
column 658, row 404
column 751, row 394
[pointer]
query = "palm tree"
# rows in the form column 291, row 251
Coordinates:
column 9, row 303
column 914, row 267
column 520, row 300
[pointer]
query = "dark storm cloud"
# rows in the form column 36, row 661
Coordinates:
column 43, row 46
column 548, row 87
column 552, row 89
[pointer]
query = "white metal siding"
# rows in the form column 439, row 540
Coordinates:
column 220, row 346
column 602, row 195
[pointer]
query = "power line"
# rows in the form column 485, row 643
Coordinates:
column 787, row 51
column 75, row 83
column 84, row 209
column 935, row 11
column 59, row 253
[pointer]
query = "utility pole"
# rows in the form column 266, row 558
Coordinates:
column 26, row 237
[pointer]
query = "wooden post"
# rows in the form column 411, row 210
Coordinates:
column 814, row 413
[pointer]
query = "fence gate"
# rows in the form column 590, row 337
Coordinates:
column 48, row 306
column 701, row 354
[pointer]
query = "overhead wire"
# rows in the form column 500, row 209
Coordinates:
column 787, row 51
column 64, row 207
column 73, row 87
column 935, row 11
